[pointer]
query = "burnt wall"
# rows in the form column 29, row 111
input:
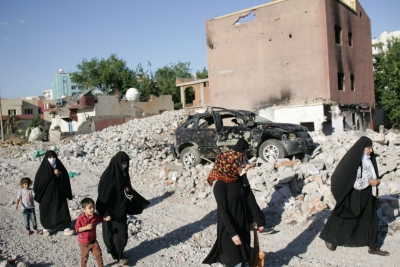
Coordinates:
column 354, row 59
column 278, row 56
column 288, row 52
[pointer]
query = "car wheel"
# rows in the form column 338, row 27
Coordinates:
column 190, row 157
column 271, row 148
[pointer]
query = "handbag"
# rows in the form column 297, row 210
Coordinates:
column 257, row 258
column 136, row 203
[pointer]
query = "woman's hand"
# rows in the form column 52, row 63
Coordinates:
column 57, row 171
column 260, row 229
column 236, row 240
column 374, row 182
column 127, row 189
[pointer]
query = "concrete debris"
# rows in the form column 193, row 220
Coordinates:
column 291, row 188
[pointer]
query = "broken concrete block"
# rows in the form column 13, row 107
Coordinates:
column 311, row 170
column 286, row 177
column 285, row 163
column 391, row 166
column 285, row 192
column 268, row 167
column 330, row 201
column 319, row 206
column 318, row 164
column 394, row 187
column 324, row 190
column 383, row 189
column 330, row 160
column 315, row 197
column 310, row 187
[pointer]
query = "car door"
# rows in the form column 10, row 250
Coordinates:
column 230, row 128
column 206, row 136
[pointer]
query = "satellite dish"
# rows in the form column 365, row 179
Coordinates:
column 64, row 97
column 60, row 70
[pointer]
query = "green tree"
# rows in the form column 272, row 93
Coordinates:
column 166, row 79
column 35, row 122
column 202, row 74
column 387, row 79
column 145, row 82
column 109, row 75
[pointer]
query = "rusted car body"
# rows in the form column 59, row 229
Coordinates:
column 204, row 135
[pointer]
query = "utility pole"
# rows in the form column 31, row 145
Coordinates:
column 1, row 119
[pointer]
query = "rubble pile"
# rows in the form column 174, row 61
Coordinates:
column 304, row 188
column 289, row 188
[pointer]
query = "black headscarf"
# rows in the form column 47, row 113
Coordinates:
column 345, row 174
column 241, row 145
column 45, row 174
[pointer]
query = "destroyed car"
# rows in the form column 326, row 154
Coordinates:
column 204, row 135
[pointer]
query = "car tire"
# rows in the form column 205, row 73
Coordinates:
column 190, row 157
column 273, row 148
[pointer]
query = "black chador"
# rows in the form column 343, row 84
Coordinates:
column 52, row 192
column 354, row 221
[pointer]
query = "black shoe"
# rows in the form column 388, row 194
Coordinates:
column 267, row 231
column 330, row 246
column 379, row 252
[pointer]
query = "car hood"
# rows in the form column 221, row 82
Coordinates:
column 284, row 126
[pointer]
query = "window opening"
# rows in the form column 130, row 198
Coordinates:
column 28, row 111
column 340, row 81
column 206, row 122
column 352, row 83
column 350, row 39
column 12, row 112
column 338, row 34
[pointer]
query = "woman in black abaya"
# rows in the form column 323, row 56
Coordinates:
column 52, row 189
column 354, row 221
column 236, row 208
column 116, row 198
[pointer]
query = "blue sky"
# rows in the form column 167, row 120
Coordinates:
column 37, row 38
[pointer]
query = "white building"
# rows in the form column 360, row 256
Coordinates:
column 383, row 38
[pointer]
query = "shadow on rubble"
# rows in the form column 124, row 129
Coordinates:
column 182, row 234
column 386, row 215
column 273, row 212
column 156, row 200
column 300, row 244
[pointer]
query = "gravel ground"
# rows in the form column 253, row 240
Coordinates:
column 175, row 230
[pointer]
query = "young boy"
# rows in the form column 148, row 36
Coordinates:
column 25, row 197
column 86, row 228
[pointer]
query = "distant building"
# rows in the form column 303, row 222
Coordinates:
column 382, row 41
column 24, row 110
column 63, row 86
column 48, row 94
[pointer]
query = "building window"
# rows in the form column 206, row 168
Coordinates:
column 12, row 112
column 40, row 111
column 28, row 111
column 353, row 87
column 350, row 39
column 340, row 81
column 338, row 34
column 73, row 87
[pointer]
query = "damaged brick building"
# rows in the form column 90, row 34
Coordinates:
column 301, row 53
